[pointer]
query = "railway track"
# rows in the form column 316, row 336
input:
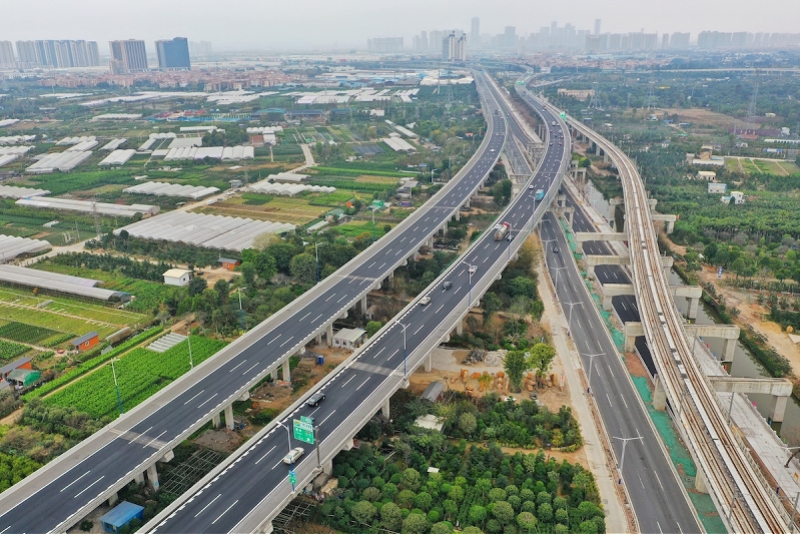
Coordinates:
column 741, row 497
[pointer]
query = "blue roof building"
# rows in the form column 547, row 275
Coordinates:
column 121, row 515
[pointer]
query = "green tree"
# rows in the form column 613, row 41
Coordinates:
column 249, row 273
column 471, row 530
column 515, row 366
column 545, row 512
column 423, row 501
column 304, row 268
column 503, row 512
column 477, row 514
column 541, row 358
column 415, row 524
column 526, row 521
column 491, row 304
column 197, row 285
column 467, row 423
column 411, row 479
column 442, row 527
column 363, row 512
column 391, row 516
column 373, row 327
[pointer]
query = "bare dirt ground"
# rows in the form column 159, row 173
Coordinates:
column 702, row 116
column 222, row 440
column 218, row 273
column 636, row 368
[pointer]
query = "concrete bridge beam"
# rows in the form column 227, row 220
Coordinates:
column 583, row 237
column 730, row 333
column 669, row 219
column 631, row 331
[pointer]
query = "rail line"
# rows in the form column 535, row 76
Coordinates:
column 745, row 503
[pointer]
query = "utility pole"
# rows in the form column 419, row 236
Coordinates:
column 622, row 461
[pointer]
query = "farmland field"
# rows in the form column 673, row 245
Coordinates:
column 294, row 210
column 140, row 374
column 9, row 350
column 28, row 333
column 353, row 229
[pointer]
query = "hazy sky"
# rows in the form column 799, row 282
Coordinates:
column 271, row 24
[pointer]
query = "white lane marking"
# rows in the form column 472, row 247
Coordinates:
column 381, row 265
column 378, row 353
column 625, row 403
column 239, row 364
column 371, row 264
column 265, row 454
column 659, row 480
column 140, row 435
column 309, row 313
column 71, row 483
column 287, row 341
column 209, row 504
column 659, row 527
column 439, row 308
column 484, row 259
column 89, row 486
column 248, row 370
column 158, row 436
column 348, row 380
column 206, row 401
column 279, row 463
column 5, row 529
column 225, row 512
column 609, row 400
column 317, row 317
column 362, row 383
column 418, row 329
column 274, row 339
column 457, row 290
column 185, row 403
column 329, row 298
column 393, row 355
column 329, row 416
column 341, row 299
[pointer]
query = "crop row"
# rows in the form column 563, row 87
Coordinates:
column 88, row 365
column 9, row 350
column 27, row 333
column 140, row 374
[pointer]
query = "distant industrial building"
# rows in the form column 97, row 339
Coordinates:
column 58, row 54
column 128, row 56
column 385, row 45
column 7, row 54
column 454, row 47
column 173, row 53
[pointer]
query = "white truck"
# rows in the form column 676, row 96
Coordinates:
column 501, row 231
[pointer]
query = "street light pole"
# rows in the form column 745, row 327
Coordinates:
column 191, row 359
column 591, row 365
column 405, row 351
column 116, row 386
column 469, row 271
column 622, row 461
column 289, row 442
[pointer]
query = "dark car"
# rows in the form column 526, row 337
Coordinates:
column 447, row 284
column 555, row 250
column 315, row 399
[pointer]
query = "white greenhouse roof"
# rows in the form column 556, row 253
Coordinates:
column 171, row 190
column 87, row 206
column 14, row 149
column 12, row 246
column 118, row 157
column 114, row 143
column 55, row 282
column 9, row 191
column 209, row 231
column 64, row 161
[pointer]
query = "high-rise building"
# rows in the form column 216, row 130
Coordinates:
column 679, row 40
column 203, row 47
column 665, row 41
column 173, row 53
column 475, row 33
column 385, row 45
column 58, row 54
column 597, row 23
column 7, row 54
column 128, row 56
column 454, row 46
column 510, row 37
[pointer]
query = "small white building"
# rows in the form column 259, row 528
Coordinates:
column 177, row 277
column 708, row 176
column 738, row 197
column 349, row 338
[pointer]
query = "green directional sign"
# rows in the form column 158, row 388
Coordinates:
column 308, row 420
column 563, row 115
column 304, row 432
column 292, row 477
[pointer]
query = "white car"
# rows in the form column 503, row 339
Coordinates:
column 425, row 300
column 472, row 269
column 293, row 455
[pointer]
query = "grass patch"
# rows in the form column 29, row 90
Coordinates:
column 359, row 172
column 354, row 229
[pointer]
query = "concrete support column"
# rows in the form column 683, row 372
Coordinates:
column 605, row 158
column 607, row 303
column 428, row 362
column 139, row 478
column 460, row 328
column 670, row 227
column 667, row 272
column 152, row 477
column 590, row 272
column 113, row 499
column 568, row 215
column 579, row 247
column 694, row 304
column 597, row 150
column 319, row 338
column 700, row 483
column 778, row 409
column 364, row 305
column 457, row 216
column 385, row 410
column 267, row 529
column 287, row 377
column 229, row 416
column 327, row 467
column 330, row 335
column 215, row 421
column 729, row 350
column 659, row 396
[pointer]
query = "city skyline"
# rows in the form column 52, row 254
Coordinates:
column 298, row 25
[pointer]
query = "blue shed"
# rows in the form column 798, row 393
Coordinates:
column 121, row 515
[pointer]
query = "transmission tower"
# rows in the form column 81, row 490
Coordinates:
column 96, row 216
column 594, row 102
column 651, row 99
column 750, row 125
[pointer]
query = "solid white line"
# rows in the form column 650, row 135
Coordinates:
column 209, row 504
column 329, row 416
column 362, row 383
column 211, row 397
column 265, row 454
column 5, row 529
column 239, row 364
column 89, row 486
column 158, row 436
column 348, row 380
column 187, row 402
column 71, row 483
column 225, row 512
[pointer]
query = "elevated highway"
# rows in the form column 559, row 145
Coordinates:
column 724, row 468
column 91, row 472
column 252, row 486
